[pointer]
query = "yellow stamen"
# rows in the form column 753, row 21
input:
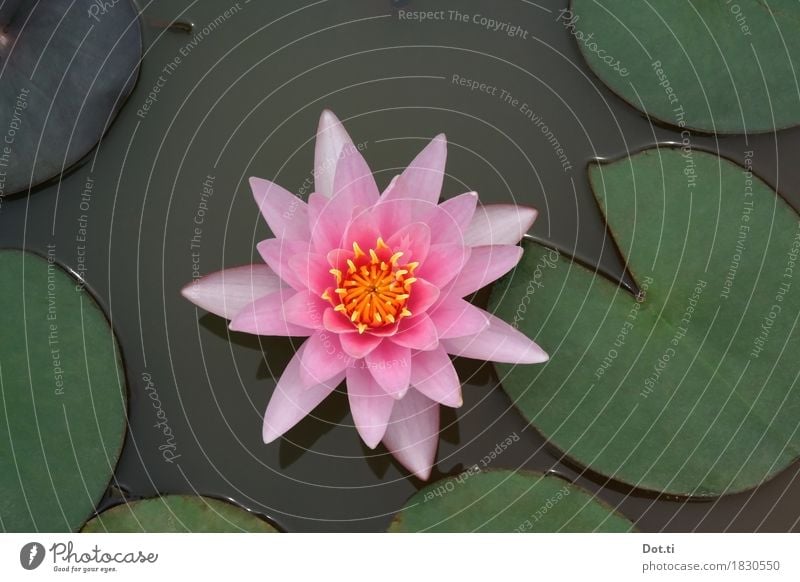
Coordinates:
column 373, row 291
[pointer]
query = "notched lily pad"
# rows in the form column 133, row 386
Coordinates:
column 506, row 501
column 62, row 397
column 689, row 388
column 67, row 68
column 714, row 66
column 177, row 514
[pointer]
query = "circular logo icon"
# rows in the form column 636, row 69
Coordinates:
column 31, row 555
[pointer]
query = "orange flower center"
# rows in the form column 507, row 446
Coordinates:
column 374, row 289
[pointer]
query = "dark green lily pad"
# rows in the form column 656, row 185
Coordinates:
column 506, row 501
column 714, row 66
column 691, row 388
column 67, row 68
column 177, row 514
column 62, row 397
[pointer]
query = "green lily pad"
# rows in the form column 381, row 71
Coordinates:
column 177, row 514
column 506, row 501
column 62, row 397
column 690, row 386
column 711, row 65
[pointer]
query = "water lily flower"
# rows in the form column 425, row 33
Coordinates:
column 376, row 282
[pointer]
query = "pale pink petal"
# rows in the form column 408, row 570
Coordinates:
column 322, row 359
column 225, row 293
column 362, row 229
column 498, row 343
column 335, row 322
column 387, row 217
column 390, row 365
column 499, row 224
column 292, row 400
column 285, row 213
column 312, row 270
column 306, row 309
column 454, row 215
column 422, row 295
column 327, row 222
column 413, row 240
column 454, row 317
column 331, row 139
column 443, row 263
column 359, row 345
column 354, row 185
column 369, row 404
column 485, row 264
column 423, row 177
column 412, row 434
column 433, row 374
column 277, row 253
column 265, row 316
column 417, row 333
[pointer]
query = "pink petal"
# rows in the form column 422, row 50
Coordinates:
column 225, row 293
column 391, row 185
column 370, row 406
column 292, row 400
column 332, row 138
column 327, row 221
column 390, row 365
column 361, row 229
column 265, row 316
column 412, row 434
column 423, row 177
column 433, row 374
column 422, row 295
column 359, row 345
column 414, row 240
column 443, row 263
column 498, row 343
column 335, row 322
column 312, row 270
column 322, row 358
column 306, row 309
column 454, row 317
column 277, row 253
column 417, row 333
column 285, row 213
column 485, row 264
column 454, row 216
column 354, row 184
column 499, row 224
column 389, row 216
